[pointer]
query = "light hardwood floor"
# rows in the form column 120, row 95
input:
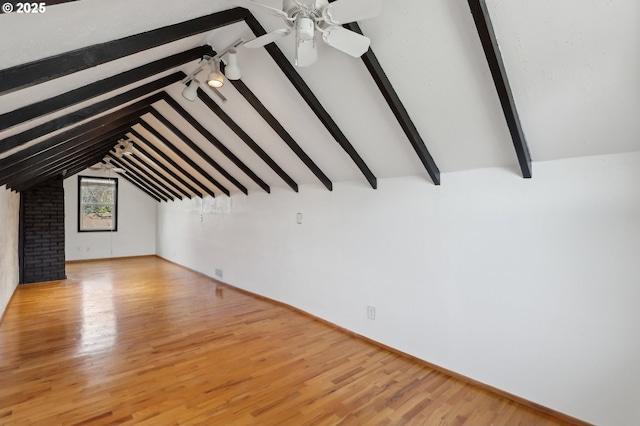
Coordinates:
column 143, row 341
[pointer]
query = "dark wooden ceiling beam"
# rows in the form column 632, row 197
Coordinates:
column 393, row 100
column 90, row 91
column 92, row 128
column 57, row 143
column 199, row 151
column 150, row 167
column 172, row 163
column 215, row 142
column 248, row 140
column 75, row 117
column 399, row 111
column 54, row 166
column 66, row 167
column 491, row 49
column 149, row 128
column 70, row 149
column 144, row 177
column 313, row 102
column 25, row 184
column 154, row 155
column 281, row 131
column 46, row 69
column 133, row 180
column 143, row 160
column 150, row 170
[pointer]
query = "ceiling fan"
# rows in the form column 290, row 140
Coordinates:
column 124, row 147
column 107, row 166
column 322, row 17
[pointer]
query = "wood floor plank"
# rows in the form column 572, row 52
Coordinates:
column 143, row 341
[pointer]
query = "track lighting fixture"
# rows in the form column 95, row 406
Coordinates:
column 215, row 79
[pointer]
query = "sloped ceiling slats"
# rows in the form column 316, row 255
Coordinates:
column 71, row 151
column 68, row 167
column 29, row 159
column 142, row 188
column 206, row 176
column 134, row 168
column 195, row 148
column 246, row 139
column 151, row 172
column 97, row 126
column 132, row 176
column 185, row 158
column 34, row 175
column 215, row 142
column 154, row 152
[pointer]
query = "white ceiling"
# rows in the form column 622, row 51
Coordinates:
column 573, row 66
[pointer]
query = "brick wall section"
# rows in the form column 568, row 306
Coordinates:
column 43, row 235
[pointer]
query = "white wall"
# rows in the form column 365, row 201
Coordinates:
column 136, row 234
column 531, row 286
column 9, row 226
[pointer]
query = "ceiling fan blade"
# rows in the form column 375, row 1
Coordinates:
column 306, row 53
column 346, row 11
column 346, row 41
column 267, row 38
column 259, row 7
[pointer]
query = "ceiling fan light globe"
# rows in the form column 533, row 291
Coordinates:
column 305, row 28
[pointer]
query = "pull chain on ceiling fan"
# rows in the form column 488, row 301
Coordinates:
column 321, row 17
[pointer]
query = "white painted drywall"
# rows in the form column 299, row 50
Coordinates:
column 9, row 267
column 531, row 286
column 136, row 234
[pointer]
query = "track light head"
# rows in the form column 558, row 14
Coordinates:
column 215, row 79
column 190, row 92
column 232, row 70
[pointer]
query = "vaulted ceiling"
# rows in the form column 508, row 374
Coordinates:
column 433, row 94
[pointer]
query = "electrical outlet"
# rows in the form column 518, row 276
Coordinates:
column 299, row 218
column 201, row 218
column 371, row 312
column 218, row 273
